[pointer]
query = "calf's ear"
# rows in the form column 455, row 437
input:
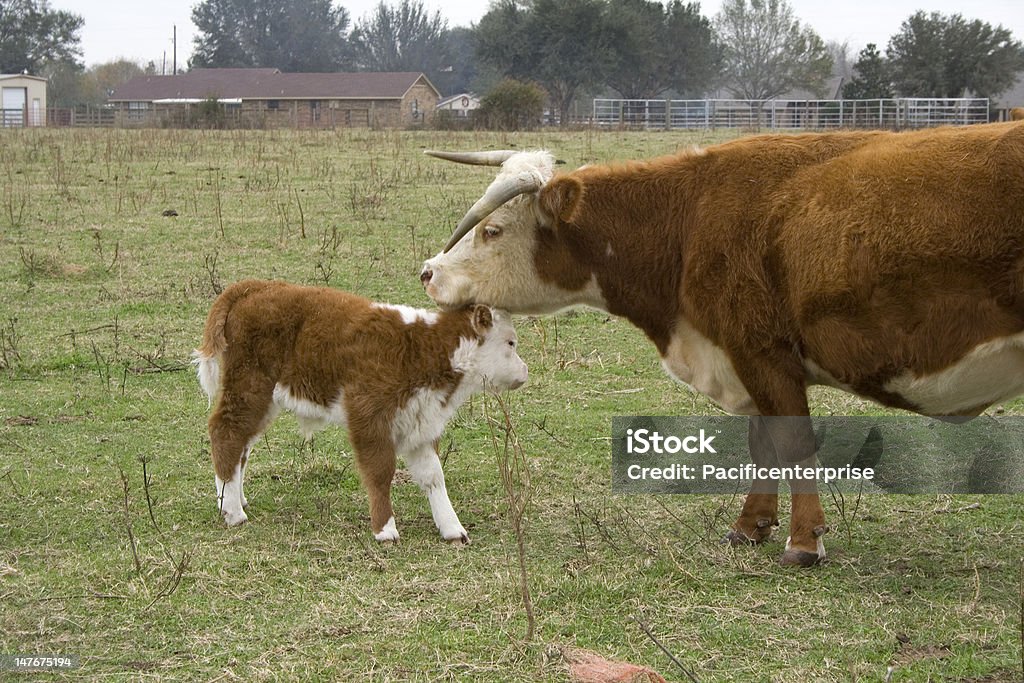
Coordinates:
column 482, row 319
column 560, row 198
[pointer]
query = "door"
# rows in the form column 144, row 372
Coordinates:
column 13, row 101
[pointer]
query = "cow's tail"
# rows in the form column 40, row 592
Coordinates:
column 208, row 356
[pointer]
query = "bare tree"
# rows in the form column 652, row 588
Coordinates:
column 402, row 37
column 767, row 51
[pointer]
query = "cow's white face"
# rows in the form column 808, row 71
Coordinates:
column 496, row 262
column 493, row 264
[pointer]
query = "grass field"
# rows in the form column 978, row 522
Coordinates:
column 102, row 299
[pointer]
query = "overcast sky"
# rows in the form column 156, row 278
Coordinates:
column 141, row 31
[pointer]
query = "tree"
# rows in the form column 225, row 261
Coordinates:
column 404, row 37
column 100, row 79
column 691, row 51
column 33, row 35
column 657, row 48
column 295, row 35
column 461, row 69
column 842, row 67
column 871, row 79
column 563, row 45
column 934, row 55
column 767, row 51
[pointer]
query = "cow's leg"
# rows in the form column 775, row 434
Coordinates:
column 425, row 469
column 375, row 458
column 776, row 383
column 793, row 438
column 760, row 514
column 242, row 413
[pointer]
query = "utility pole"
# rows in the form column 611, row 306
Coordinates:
column 174, row 60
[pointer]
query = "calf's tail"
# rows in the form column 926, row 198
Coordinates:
column 207, row 357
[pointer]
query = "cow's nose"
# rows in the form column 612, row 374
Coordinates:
column 425, row 276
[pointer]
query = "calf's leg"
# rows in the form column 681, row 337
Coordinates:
column 242, row 414
column 375, row 458
column 425, row 469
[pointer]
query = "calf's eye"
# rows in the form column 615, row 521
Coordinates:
column 491, row 231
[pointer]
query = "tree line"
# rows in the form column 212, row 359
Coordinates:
column 635, row 49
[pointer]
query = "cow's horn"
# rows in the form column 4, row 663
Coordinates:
column 496, row 195
column 494, row 158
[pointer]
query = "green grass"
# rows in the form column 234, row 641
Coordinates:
column 102, row 298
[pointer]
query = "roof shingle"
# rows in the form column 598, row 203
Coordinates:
column 264, row 84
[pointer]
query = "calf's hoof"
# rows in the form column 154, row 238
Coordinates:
column 235, row 518
column 389, row 534
column 457, row 539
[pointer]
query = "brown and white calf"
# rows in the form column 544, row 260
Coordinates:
column 392, row 375
column 889, row 265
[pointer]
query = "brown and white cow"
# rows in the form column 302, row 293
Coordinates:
column 392, row 375
column 890, row 265
column 1017, row 114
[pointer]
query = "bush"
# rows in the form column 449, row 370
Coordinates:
column 512, row 105
column 207, row 114
column 447, row 120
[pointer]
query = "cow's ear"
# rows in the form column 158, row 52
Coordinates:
column 482, row 319
column 560, row 198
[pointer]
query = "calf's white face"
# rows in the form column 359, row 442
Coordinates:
column 494, row 362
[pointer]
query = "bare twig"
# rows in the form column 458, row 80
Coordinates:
column 542, row 425
column 13, row 443
column 10, row 479
column 172, row 583
column 515, row 478
column 647, row 631
column 578, row 525
column 145, row 487
column 74, row 333
column 128, row 522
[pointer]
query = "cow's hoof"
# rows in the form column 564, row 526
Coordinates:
column 759, row 534
column 800, row 558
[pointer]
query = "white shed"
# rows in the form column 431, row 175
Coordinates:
column 460, row 105
column 22, row 100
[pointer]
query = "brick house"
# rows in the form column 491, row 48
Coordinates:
column 272, row 99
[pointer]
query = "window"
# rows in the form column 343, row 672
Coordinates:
column 273, row 104
column 137, row 111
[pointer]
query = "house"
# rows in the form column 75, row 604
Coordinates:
column 459, row 105
column 272, row 99
column 22, row 100
column 1008, row 99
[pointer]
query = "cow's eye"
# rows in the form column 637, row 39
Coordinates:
column 512, row 343
column 491, row 231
